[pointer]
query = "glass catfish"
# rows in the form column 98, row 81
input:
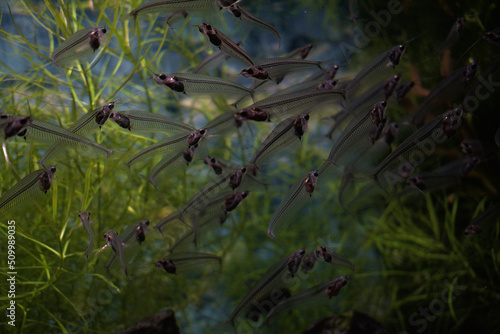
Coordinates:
column 81, row 44
column 225, row 44
column 31, row 186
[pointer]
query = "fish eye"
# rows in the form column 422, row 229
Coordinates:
column 3, row 116
column 250, row 71
column 103, row 30
column 53, row 169
column 316, row 174
column 306, row 117
column 162, row 76
column 203, row 131
column 24, row 121
column 111, row 105
column 209, row 27
column 384, row 104
column 244, row 113
column 243, row 169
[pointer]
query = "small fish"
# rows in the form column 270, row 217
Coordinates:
column 403, row 89
column 149, row 122
column 250, row 113
column 374, row 72
column 301, row 52
column 193, row 83
column 472, row 147
column 85, row 221
column 40, row 131
column 224, row 43
column 309, row 261
column 390, row 133
column 468, row 165
column 188, row 153
column 138, row 230
column 232, row 201
column 484, row 220
column 472, row 229
column 312, row 297
column 236, row 177
column 30, row 187
column 333, row 288
column 358, row 136
column 85, row 125
column 331, row 257
column 440, row 128
column 213, row 60
column 171, row 145
column 327, row 84
column 195, row 137
column 279, row 106
column 390, row 85
column 272, row 280
column 14, row 125
column 453, row 34
column 277, row 68
column 295, row 199
column 172, row 7
column 294, row 261
column 214, row 164
column 280, row 138
column 181, row 262
column 241, row 13
column 113, row 241
column 83, row 43
column 449, row 90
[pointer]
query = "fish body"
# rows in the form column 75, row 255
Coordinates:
column 85, row 221
column 113, row 241
column 83, row 43
column 29, row 187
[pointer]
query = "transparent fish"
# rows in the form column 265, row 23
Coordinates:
column 85, row 125
column 312, row 297
column 280, row 106
column 301, row 52
column 193, row 83
column 165, row 7
column 85, row 221
column 13, row 125
column 484, row 220
column 449, row 90
column 39, row 131
column 309, row 261
column 137, row 230
column 244, row 15
column 270, row 287
column 143, row 121
column 331, row 257
column 182, row 262
column 472, row 147
column 225, row 44
column 295, row 199
column 81, row 44
column 169, row 147
column 232, row 201
column 29, row 188
column 403, row 89
column 356, row 139
column 396, row 166
column 284, row 135
column 213, row 163
column 213, row 60
column 277, row 68
column 172, row 162
column 113, row 241
column 452, row 35
column 381, row 67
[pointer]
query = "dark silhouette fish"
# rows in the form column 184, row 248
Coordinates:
column 81, row 44
column 182, row 262
column 312, row 297
column 85, row 125
column 284, row 135
column 272, row 280
column 30, row 187
column 193, row 83
column 143, row 121
column 225, row 44
column 244, row 15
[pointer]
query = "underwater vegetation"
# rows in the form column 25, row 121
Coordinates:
column 225, row 166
